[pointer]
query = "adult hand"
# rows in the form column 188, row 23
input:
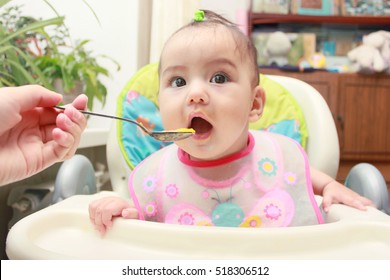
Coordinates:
column 34, row 135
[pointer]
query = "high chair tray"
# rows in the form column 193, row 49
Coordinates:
column 63, row 231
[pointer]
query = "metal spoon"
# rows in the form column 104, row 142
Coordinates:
column 164, row 136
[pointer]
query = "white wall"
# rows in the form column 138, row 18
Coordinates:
column 116, row 37
column 227, row 8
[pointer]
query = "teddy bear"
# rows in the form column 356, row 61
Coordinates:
column 277, row 48
column 366, row 59
column 373, row 55
column 380, row 40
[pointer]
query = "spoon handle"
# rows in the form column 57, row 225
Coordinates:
column 108, row 116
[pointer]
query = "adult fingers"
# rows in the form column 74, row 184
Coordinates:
column 31, row 96
column 80, row 102
column 70, row 124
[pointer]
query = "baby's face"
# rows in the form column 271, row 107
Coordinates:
column 205, row 84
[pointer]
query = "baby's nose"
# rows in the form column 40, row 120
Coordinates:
column 197, row 94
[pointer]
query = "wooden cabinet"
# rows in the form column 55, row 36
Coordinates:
column 364, row 117
column 324, row 82
column 363, row 121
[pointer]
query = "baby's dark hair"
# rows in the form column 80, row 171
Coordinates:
column 243, row 43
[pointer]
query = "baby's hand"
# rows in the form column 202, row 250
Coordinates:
column 102, row 212
column 335, row 192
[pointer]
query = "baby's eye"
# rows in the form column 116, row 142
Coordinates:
column 178, row 82
column 219, row 79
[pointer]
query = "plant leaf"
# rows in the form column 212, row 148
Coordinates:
column 93, row 12
column 41, row 78
column 3, row 2
column 33, row 26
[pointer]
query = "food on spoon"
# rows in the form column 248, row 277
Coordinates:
column 183, row 130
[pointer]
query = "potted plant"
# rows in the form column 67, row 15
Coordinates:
column 30, row 52
column 17, row 60
column 74, row 72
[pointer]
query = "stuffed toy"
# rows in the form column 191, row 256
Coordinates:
column 366, row 59
column 373, row 55
column 381, row 41
column 277, row 48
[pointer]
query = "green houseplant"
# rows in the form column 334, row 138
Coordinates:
column 31, row 52
column 75, row 71
column 17, row 61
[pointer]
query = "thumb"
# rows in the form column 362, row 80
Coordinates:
column 326, row 203
column 130, row 213
column 29, row 97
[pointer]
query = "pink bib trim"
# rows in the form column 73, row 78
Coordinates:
column 310, row 189
column 185, row 158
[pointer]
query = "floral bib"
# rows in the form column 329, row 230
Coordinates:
column 265, row 185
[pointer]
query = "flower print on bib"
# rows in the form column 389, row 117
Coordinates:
column 267, row 185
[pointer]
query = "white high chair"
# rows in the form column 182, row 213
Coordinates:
column 63, row 230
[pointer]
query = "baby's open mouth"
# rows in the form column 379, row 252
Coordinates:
column 201, row 126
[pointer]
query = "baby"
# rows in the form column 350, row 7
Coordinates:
column 225, row 175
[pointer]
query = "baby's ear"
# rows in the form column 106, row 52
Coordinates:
column 258, row 104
